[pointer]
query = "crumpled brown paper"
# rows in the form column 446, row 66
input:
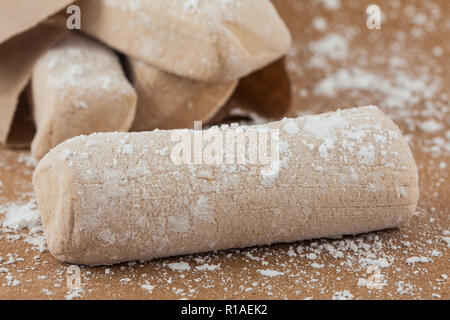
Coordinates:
column 17, row 57
column 17, row 16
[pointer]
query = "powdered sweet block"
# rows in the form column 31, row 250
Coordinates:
column 114, row 197
column 78, row 87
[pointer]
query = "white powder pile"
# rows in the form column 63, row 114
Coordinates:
column 21, row 216
column 333, row 46
column 320, row 24
column 447, row 240
column 208, row 267
column 179, row 266
column 342, row 295
column 148, row 287
column 19, row 221
column 430, row 126
column 74, row 294
column 414, row 260
column 325, row 127
column 27, row 159
column 270, row 273
column 398, row 90
column 330, row 4
column 317, row 265
column 405, row 82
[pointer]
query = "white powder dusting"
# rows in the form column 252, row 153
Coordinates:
column 179, row 266
column 414, row 260
column 28, row 160
column 208, row 267
column 342, row 295
column 270, row 272
column 430, row 126
column 127, row 149
column 324, row 127
column 291, row 127
column 66, row 154
column 447, row 240
column 330, row 4
column 380, row 262
column 316, row 265
column 436, row 253
column 320, row 24
column 74, row 294
column 90, row 143
column 332, row 46
column 201, row 207
column 311, row 256
column 21, row 216
column 148, row 287
column 399, row 90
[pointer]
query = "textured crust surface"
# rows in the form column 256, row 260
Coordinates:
column 78, row 87
column 122, row 198
column 167, row 101
column 202, row 40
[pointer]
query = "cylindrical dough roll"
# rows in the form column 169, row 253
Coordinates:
column 168, row 101
column 114, row 197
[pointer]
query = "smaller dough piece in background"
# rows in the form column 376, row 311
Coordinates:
column 17, row 16
column 167, row 101
column 18, row 56
column 202, row 40
column 78, row 87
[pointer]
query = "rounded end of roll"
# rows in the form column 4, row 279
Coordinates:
column 53, row 183
column 407, row 191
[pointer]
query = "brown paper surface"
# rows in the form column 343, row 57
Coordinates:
column 17, row 57
column 17, row 16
